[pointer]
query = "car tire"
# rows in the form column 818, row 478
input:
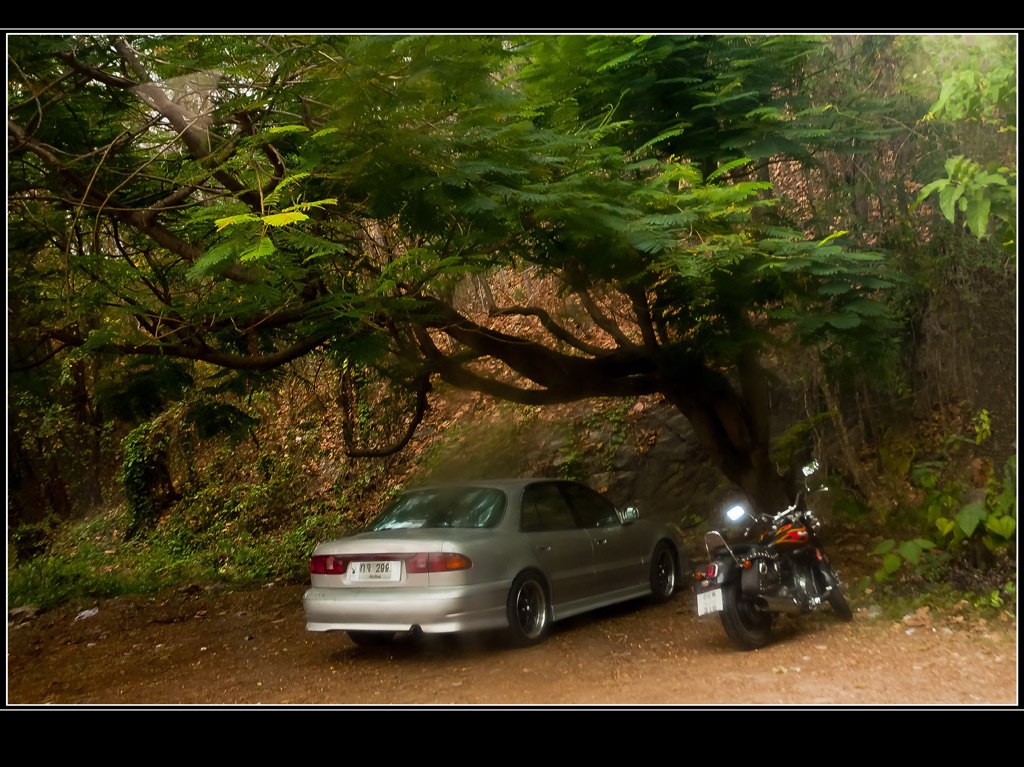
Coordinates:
column 664, row 573
column 371, row 638
column 528, row 610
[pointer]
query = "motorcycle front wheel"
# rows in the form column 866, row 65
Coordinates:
column 746, row 624
column 836, row 598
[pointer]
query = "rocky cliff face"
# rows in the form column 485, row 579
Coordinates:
column 641, row 453
column 670, row 478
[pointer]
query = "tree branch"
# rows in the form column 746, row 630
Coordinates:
column 199, row 350
column 638, row 297
column 603, row 321
column 141, row 220
column 550, row 325
column 563, row 377
column 540, row 364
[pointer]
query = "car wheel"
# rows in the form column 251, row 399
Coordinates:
column 527, row 609
column 371, row 638
column 663, row 573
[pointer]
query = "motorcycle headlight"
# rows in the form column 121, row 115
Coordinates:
column 736, row 514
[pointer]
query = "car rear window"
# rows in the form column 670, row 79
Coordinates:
column 444, row 507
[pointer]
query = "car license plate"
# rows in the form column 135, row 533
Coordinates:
column 709, row 602
column 385, row 570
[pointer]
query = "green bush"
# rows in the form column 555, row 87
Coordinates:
column 954, row 528
column 144, row 475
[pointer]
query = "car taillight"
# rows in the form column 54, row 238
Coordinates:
column 326, row 565
column 425, row 562
column 437, row 562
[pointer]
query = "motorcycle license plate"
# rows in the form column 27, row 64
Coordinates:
column 709, row 602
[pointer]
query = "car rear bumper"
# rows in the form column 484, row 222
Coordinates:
column 433, row 609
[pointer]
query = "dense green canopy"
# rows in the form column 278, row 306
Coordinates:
column 246, row 200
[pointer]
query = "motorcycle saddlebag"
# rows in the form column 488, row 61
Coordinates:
column 763, row 575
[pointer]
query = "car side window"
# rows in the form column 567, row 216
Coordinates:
column 592, row 509
column 544, row 508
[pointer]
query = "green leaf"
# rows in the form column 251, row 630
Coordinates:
column 832, row 237
column 283, row 219
column 867, row 307
column 617, row 60
column 834, row 288
column 727, row 167
column 661, row 137
column 977, row 215
column 274, row 197
column 970, row 516
column 479, row 203
column 953, row 165
column 891, row 563
column 874, row 283
column 941, row 183
column 98, row 339
column 843, row 321
column 212, row 260
column 288, row 129
column 885, row 546
column 312, row 204
column 261, row 249
column 232, row 220
column 910, row 551
column 1002, row 526
column 987, row 179
column 764, row 112
column 947, row 201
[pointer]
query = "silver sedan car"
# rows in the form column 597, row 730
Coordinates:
column 508, row 554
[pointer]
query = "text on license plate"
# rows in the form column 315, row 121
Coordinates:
column 386, row 570
column 709, row 602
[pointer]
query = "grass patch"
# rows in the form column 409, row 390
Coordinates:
column 91, row 559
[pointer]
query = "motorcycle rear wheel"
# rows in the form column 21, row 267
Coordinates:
column 746, row 624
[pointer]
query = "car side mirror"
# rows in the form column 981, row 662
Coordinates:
column 629, row 514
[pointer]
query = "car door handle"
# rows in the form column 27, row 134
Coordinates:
column 599, row 541
column 543, row 548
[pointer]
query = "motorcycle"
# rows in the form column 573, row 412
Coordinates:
column 773, row 565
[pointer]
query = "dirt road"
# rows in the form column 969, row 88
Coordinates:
column 201, row 645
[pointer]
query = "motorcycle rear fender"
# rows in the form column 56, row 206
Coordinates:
column 727, row 573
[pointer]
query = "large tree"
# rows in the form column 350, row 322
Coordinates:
column 246, row 201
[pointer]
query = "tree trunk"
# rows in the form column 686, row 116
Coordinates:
column 736, row 427
column 751, row 469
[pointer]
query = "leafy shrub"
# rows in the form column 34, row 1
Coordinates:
column 145, row 476
column 965, row 529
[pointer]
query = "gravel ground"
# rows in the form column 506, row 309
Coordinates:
column 211, row 646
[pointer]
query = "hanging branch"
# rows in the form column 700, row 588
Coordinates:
column 347, row 394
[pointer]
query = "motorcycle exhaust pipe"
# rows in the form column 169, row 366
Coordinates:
column 781, row 605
